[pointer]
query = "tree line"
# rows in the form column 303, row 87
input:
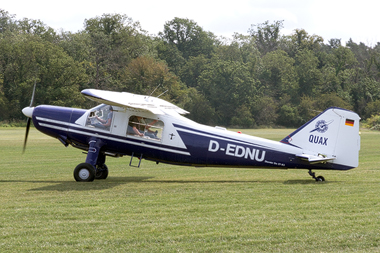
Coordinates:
column 257, row 79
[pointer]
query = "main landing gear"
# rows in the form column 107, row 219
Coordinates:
column 85, row 172
column 94, row 167
column 318, row 178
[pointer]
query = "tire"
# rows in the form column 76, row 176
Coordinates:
column 84, row 172
column 101, row 172
column 320, row 179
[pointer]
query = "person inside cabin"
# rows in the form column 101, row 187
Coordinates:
column 137, row 126
column 105, row 123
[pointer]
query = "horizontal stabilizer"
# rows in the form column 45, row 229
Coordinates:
column 315, row 159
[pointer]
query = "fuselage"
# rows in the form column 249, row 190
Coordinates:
column 172, row 139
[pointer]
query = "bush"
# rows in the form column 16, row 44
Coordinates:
column 372, row 108
column 288, row 116
column 15, row 123
column 373, row 122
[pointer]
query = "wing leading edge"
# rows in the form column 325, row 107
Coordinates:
column 126, row 99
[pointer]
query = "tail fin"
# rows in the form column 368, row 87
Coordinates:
column 332, row 135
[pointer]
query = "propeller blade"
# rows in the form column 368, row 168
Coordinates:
column 28, row 112
column 34, row 90
column 26, row 134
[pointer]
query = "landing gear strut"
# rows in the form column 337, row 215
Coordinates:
column 318, row 179
column 94, row 167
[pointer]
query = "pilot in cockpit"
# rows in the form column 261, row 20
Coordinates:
column 105, row 123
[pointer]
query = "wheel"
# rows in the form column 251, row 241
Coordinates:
column 101, row 172
column 84, row 172
column 320, row 179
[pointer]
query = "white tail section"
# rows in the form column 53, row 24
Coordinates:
column 331, row 136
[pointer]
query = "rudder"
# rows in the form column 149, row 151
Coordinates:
column 333, row 135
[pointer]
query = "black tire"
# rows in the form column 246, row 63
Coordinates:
column 320, row 179
column 84, row 172
column 101, row 172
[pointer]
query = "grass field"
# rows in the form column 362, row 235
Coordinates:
column 165, row 208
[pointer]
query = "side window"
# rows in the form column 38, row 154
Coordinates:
column 145, row 127
column 100, row 117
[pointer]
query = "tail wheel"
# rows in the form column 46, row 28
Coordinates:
column 84, row 172
column 320, row 179
column 101, row 172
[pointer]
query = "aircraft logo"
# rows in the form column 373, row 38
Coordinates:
column 322, row 126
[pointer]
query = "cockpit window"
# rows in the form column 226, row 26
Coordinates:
column 100, row 117
column 145, row 127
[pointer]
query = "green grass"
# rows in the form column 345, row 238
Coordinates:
column 165, row 208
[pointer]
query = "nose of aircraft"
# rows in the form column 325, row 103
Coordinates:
column 28, row 111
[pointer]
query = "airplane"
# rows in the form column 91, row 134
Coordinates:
column 150, row 128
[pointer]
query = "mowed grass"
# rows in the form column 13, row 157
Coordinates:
column 166, row 208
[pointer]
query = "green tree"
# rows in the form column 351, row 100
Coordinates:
column 341, row 59
column 371, row 109
column 278, row 76
column 307, row 108
column 309, row 76
column 288, row 116
column 375, row 61
column 8, row 24
column 365, row 92
column 188, row 37
column 38, row 28
column 261, row 79
column 267, row 35
column 264, row 111
column 200, row 108
column 243, row 49
column 334, row 43
column 25, row 59
column 300, row 40
column 114, row 41
column 363, row 54
column 78, row 47
column 229, row 87
column 193, row 68
column 325, row 101
column 144, row 75
column 171, row 55
column 3, row 101
column 339, row 74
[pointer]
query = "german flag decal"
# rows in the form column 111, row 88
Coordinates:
column 350, row 122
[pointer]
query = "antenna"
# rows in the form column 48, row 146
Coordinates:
column 162, row 93
column 154, row 90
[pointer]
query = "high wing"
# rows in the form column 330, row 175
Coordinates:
column 126, row 99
